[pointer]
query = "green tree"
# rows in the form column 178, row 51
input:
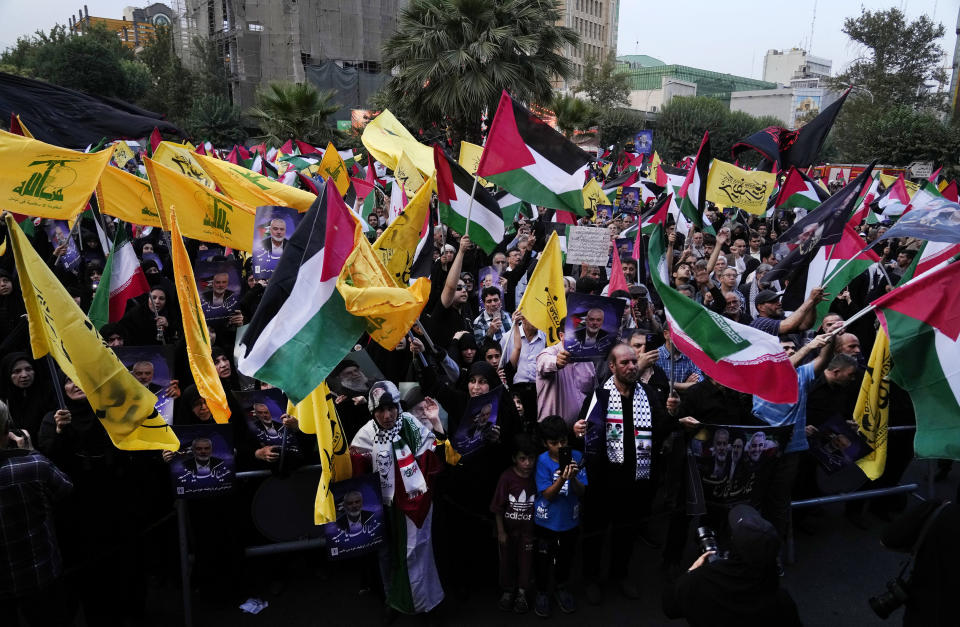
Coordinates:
column 173, row 86
column 295, row 111
column 214, row 118
column 603, row 86
column 617, row 125
column 572, row 114
column 453, row 58
column 95, row 62
column 900, row 58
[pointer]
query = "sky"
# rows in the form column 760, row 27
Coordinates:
column 729, row 36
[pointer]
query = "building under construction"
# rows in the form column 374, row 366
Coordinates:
column 329, row 43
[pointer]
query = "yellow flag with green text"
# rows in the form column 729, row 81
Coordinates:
column 58, row 327
column 593, row 195
column 287, row 194
column 872, row 411
column 179, row 159
column 128, row 197
column 40, row 180
column 369, row 291
column 408, row 175
column 240, row 190
column 397, row 246
column 654, row 164
column 730, row 186
column 122, row 153
column 317, row 415
column 199, row 351
column 470, row 160
column 203, row 214
column 385, row 137
column 544, row 302
column 333, row 167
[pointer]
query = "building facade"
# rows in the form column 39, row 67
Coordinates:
column 783, row 66
column 596, row 21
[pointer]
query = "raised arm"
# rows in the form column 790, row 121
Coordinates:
column 453, row 277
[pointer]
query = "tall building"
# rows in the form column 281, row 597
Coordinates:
column 596, row 21
column 783, row 66
column 330, row 43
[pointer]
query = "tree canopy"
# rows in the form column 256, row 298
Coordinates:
column 602, row 85
column 453, row 58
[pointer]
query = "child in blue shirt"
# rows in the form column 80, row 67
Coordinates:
column 556, row 516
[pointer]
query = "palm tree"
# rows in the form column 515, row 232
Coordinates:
column 572, row 114
column 295, row 111
column 451, row 59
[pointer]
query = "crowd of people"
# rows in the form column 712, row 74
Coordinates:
column 529, row 485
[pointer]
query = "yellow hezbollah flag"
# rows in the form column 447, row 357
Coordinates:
column 122, row 153
column 182, row 161
column 593, row 195
column 369, row 291
column 386, row 138
column 408, row 175
column 317, row 414
column 872, row 412
column 288, row 195
column 128, row 197
column 40, row 180
column 544, row 302
column 333, row 167
column 889, row 179
column 397, row 246
column 470, row 159
column 58, row 327
column 195, row 327
column 730, row 186
column 239, row 189
column 654, row 164
column 205, row 214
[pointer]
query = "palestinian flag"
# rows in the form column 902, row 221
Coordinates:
column 626, row 178
column 922, row 319
column 532, row 161
column 122, row 280
column 950, row 192
column 861, row 210
column 840, row 264
column 737, row 356
column 454, row 185
column 929, row 255
column 798, row 190
column 302, row 329
column 693, row 192
column 511, row 207
column 894, row 200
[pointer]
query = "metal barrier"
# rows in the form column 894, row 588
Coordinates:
column 180, row 505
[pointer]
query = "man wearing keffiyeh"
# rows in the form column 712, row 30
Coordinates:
column 623, row 424
column 404, row 454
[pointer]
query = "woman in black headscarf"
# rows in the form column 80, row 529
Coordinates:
column 13, row 324
column 26, row 391
column 740, row 590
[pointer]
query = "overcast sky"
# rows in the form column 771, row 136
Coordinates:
column 721, row 35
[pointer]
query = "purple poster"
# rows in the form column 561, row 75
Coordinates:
column 150, row 365
column 837, row 445
column 272, row 230
column 593, row 325
column 477, row 421
column 59, row 233
column 359, row 527
column 218, row 284
column 204, row 465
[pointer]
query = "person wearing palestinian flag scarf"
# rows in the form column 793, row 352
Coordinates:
column 403, row 452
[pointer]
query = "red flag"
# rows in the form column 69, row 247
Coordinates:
column 933, row 177
column 155, row 140
column 565, row 217
column 932, row 298
column 305, row 148
column 287, row 147
column 950, row 192
column 617, row 279
column 362, row 187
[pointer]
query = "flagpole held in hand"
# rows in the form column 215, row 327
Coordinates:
column 57, row 388
column 473, row 191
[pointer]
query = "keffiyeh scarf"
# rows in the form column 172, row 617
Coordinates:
column 642, row 428
column 400, row 447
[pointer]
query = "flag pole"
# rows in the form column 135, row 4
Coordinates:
column 473, row 190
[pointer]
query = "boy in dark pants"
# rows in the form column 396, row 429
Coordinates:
column 557, row 516
column 513, row 507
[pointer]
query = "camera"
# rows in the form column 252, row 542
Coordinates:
column 707, row 541
column 886, row 603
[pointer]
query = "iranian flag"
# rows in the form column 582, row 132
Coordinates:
column 737, row 356
column 693, row 192
column 479, row 217
column 922, row 319
column 799, row 191
column 302, row 329
column 122, row 280
column 532, row 161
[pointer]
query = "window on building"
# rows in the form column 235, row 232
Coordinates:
column 256, row 27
